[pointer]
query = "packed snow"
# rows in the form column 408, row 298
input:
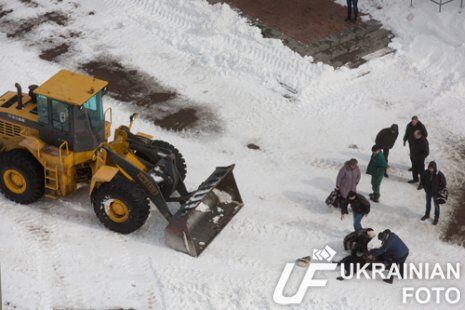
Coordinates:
column 223, row 197
column 56, row 254
column 202, row 207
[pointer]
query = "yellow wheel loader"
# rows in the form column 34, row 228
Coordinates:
column 56, row 137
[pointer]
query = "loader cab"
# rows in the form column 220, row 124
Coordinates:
column 69, row 108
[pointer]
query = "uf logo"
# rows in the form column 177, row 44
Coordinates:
column 307, row 281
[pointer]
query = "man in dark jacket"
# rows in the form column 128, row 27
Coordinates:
column 360, row 208
column 392, row 251
column 419, row 150
column 413, row 126
column 434, row 182
column 386, row 139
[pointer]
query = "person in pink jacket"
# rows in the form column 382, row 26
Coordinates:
column 348, row 178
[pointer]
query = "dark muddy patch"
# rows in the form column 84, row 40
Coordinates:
column 128, row 85
column 253, row 146
column 4, row 12
column 182, row 119
column 71, row 35
column 30, row 3
column 456, row 228
column 22, row 27
column 455, row 231
column 53, row 53
column 161, row 105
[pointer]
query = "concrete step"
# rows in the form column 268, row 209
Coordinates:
column 346, row 47
column 358, row 47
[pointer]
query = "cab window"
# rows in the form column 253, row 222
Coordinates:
column 60, row 116
column 94, row 109
column 42, row 109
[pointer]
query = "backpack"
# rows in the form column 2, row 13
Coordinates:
column 442, row 196
column 334, row 199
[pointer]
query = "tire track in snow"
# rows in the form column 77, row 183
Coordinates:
column 52, row 259
column 254, row 51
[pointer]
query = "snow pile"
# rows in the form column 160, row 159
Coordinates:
column 223, row 196
column 202, row 207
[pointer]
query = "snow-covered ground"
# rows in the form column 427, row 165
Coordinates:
column 57, row 255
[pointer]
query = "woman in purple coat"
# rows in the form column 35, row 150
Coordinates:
column 348, row 178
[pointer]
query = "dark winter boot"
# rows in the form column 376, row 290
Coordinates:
column 347, row 19
column 375, row 197
column 435, row 221
column 410, row 169
column 420, row 187
column 389, row 281
column 412, row 181
column 425, row 217
column 386, row 175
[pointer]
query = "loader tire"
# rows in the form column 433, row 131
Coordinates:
column 21, row 177
column 121, row 205
column 180, row 162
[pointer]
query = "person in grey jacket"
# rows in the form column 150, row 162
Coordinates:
column 348, row 179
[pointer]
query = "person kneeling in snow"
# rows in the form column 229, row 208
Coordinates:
column 392, row 251
column 357, row 243
column 360, row 208
column 376, row 168
column 358, row 240
column 434, row 182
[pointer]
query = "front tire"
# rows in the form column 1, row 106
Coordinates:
column 163, row 145
column 21, row 177
column 121, row 205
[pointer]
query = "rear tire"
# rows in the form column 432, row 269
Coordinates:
column 121, row 205
column 21, row 177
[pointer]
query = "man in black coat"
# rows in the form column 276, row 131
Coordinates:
column 419, row 150
column 413, row 126
column 386, row 139
column 434, row 182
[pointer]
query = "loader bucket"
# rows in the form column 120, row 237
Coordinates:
column 205, row 214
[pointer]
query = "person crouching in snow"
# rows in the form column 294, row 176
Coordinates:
column 392, row 251
column 433, row 182
column 376, row 168
column 360, row 208
column 357, row 243
column 347, row 179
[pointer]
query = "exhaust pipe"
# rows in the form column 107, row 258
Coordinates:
column 20, row 96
